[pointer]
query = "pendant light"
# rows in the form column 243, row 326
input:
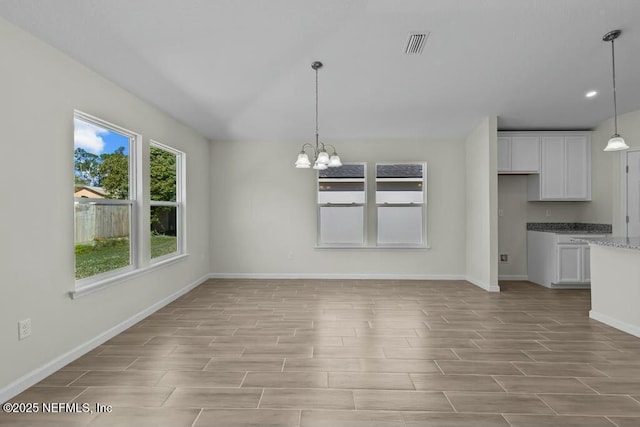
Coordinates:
column 616, row 142
column 321, row 158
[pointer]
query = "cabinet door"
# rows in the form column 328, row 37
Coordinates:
column 586, row 263
column 577, row 161
column 552, row 171
column 525, row 154
column 569, row 263
column 504, row 154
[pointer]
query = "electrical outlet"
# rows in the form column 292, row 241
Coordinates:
column 548, row 213
column 290, row 255
column 500, row 212
column 504, row 258
column 24, row 328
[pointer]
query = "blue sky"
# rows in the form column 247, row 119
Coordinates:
column 97, row 140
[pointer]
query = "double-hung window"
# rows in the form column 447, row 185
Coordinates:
column 166, row 201
column 400, row 204
column 342, row 201
column 110, row 237
column 105, row 209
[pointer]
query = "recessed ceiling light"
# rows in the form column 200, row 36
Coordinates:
column 591, row 93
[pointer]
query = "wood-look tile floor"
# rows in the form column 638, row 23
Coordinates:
column 356, row 353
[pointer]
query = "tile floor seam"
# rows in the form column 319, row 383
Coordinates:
column 450, row 402
column 493, row 377
column 437, row 365
column 586, row 385
column 168, row 396
column 71, row 383
column 243, row 379
column 260, row 400
column 546, row 404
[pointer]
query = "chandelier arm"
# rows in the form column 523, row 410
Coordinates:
column 333, row 149
column 306, row 146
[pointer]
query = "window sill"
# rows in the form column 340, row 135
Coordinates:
column 417, row 247
column 115, row 280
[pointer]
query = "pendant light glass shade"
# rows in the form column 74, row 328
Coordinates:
column 334, row 161
column 616, row 143
column 320, row 166
column 323, row 157
column 303, row 161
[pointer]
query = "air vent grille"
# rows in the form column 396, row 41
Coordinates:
column 416, row 43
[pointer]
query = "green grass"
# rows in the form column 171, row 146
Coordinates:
column 111, row 254
column 163, row 245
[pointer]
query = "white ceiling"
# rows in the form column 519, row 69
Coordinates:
column 240, row 69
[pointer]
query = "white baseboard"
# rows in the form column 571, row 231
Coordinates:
column 485, row 286
column 33, row 377
column 336, row 276
column 615, row 323
column 517, row 277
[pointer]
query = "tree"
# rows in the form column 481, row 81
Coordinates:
column 114, row 168
column 86, row 168
column 162, row 169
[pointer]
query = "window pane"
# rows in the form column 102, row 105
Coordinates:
column 162, row 175
column 164, row 238
column 101, row 238
column 101, row 161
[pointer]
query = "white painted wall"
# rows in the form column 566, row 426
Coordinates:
column 614, row 287
column 263, row 210
column 606, row 182
column 40, row 88
column 605, row 207
column 482, row 205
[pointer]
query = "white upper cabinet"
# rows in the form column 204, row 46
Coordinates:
column 518, row 154
column 565, row 168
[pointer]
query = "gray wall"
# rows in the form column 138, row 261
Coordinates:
column 263, row 212
column 40, row 88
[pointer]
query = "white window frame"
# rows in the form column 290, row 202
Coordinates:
column 139, row 239
column 422, row 244
column 179, row 204
column 363, row 204
column 133, row 202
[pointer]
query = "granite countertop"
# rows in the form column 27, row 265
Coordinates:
column 569, row 227
column 614, row 242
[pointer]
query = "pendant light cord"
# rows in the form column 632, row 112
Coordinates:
column 615, row 108
column 317, row 133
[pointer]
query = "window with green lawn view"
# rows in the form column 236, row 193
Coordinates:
column 103, row 197
column 165, row 200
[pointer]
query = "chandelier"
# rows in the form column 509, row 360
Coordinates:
column 321, row 158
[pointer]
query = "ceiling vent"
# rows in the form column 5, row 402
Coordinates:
column 416, row 43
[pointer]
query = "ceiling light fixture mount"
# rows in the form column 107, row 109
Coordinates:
column 321, row 158
column 616, row 142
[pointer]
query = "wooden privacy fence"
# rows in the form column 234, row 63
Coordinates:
column 100, row 222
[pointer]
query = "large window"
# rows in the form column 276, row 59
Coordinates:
column 104, row 197
column 111, row 240
column 398, row 216
column 165, row 182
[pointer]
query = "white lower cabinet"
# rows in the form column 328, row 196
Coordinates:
column 570, row 260
column 556, row 261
